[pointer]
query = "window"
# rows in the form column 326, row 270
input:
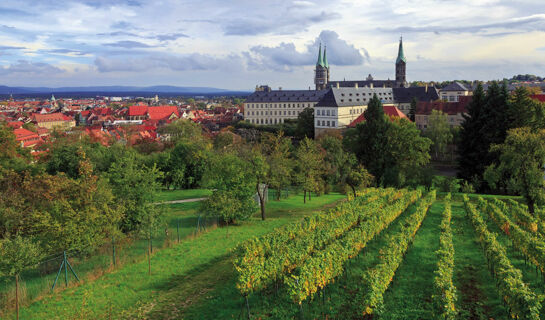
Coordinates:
column 317, row 112
column 332, row 112
column 333, row 123
column 328, row 123
column 284, row 112
column 327, row 112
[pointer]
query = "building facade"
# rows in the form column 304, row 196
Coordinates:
column 340, row 106
column 453, row 91
column 266, row 106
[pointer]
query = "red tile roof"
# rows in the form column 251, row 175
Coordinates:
column 15, row 124
column 390, row 111
column 451, row 108
column 49, row 117
column 162, row 112
column 538, row 97
column 135, row 111
column 27, row 137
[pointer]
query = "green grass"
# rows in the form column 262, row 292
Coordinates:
column 477, row 294
column 130, row 292
column 170, row 195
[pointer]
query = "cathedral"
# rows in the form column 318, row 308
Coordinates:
column 321, row 74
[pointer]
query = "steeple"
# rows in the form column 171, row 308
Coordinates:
column 320, row 61
column 325, row 58
column 400, row 54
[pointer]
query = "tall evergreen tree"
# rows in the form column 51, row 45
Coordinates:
column 412, row 109
column 372, row 139
column 470, row 146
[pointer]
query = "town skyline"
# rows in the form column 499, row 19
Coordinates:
column 238, row 45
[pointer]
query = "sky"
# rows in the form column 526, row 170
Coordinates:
column 238, row 44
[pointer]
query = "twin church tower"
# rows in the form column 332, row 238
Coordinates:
column 321, row 73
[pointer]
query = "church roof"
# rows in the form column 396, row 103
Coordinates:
column 400, row 54
column 320, row 61
column 325, row 58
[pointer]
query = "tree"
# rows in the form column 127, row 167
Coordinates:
column 276, row 148
column 337, row 161
column 471, row 147
column 522, row 158
column 406, row 151
column 439, row 132
column 372, row 139
column 233, row 185
column 358, row 178
column 412, row 109
column 182, row 130
column 188, row 159
column 17, row 254
column 525, row 111
column 305, row 124
column 309, row 166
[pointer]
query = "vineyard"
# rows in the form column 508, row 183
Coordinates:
column 354, row 261
column 384, row 254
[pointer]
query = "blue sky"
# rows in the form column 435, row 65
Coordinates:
column 238, row 44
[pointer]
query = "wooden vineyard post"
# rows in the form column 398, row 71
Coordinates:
column 113, row 250
column 178, row 229
column 17, row 295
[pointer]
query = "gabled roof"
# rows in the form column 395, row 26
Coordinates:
column 455, row 86
column 49, row 117
column 391, row 111
column 405, row 95
column 286, row 96
column 163, row 112
column 138, row 111
column 344, row 97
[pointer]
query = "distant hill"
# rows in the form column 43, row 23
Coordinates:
column 112, row 89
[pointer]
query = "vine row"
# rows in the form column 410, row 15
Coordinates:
column 377, row 280
column 444, row 296
column 523, row 303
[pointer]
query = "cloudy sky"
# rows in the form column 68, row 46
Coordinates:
column 237, row 44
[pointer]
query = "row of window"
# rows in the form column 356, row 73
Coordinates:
column 274, row 113
column 266, row 121
column 356, row 111
column 370, row 94
column 325, row 112
column 324, row 123
column 278, row 105
column 365, row 100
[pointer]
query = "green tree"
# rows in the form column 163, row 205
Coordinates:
column 17, row 254
column 522, row 158
column 439, row 132
column 337, row 161
column 305, row 124
column 412, row 109
column 358, row 178
column 372, row 139
column 182, row 129
column 470, row 146
column 233, row 185
column 135, row 188
column 277, row 149
column 223, row 140
column 309, row 166
column 188, row 159
column 406, row 152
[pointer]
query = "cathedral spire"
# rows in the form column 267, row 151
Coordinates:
column 400, row 54
column 320, row 61
column 325, row 58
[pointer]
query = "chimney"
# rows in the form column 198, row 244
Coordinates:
column 356, row 85
column 371, row 85
column 426, row 87
column 338, row 85
column 280, row 88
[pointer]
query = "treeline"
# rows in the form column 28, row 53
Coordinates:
column 501, row 146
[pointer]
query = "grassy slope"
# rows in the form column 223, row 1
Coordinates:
column 130, row 292
column 477, row 294
column 35, row 283
column 223, row 301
